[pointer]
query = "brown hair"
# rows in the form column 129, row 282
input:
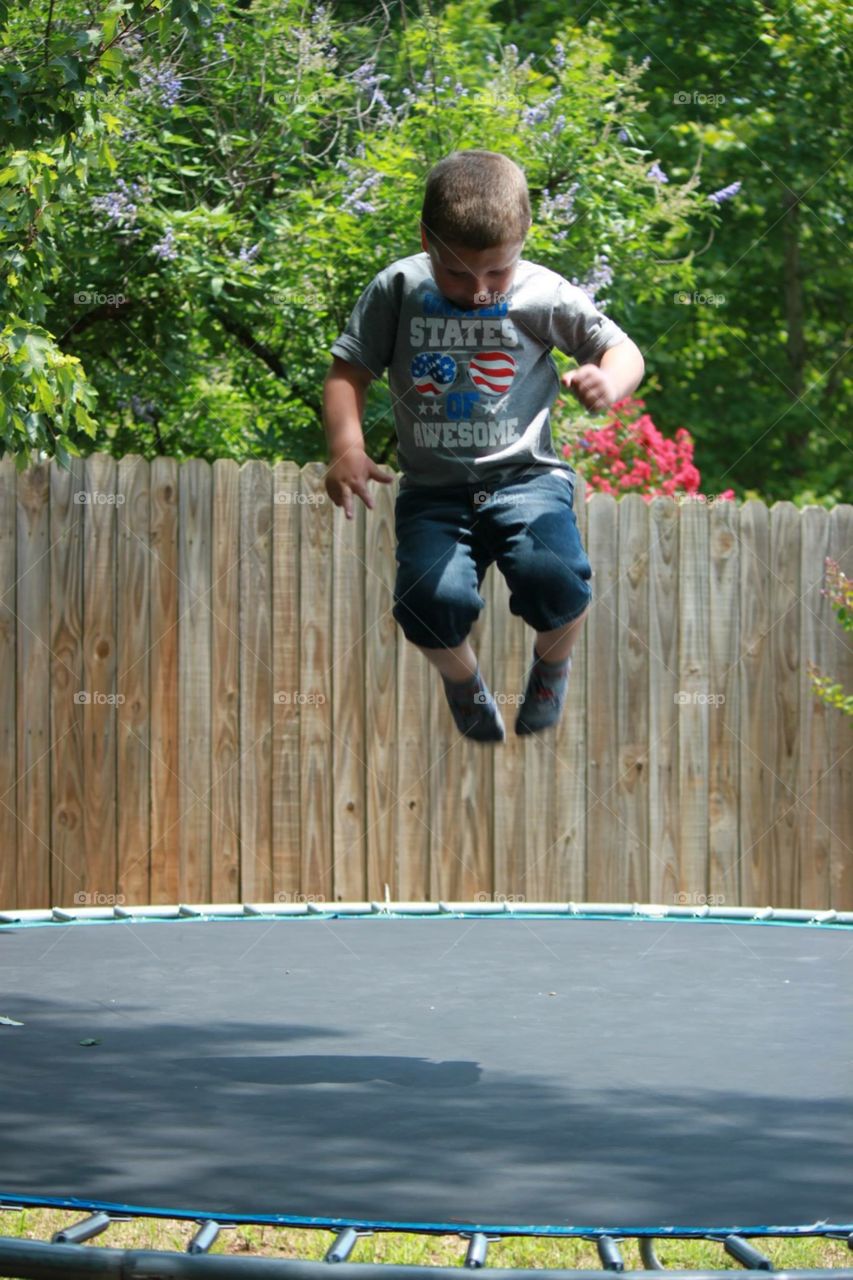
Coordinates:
column 478, row 199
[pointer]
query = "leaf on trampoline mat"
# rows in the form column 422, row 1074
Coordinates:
column 10, row 1022
column 88, row 1042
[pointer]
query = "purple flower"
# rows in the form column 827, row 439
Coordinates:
column 622, row 135
column 165, row 248
column 164, row 79
column 117, row 205
column 559, row 54
column 352, row 202
column 725, row 193
column 657, row 173
column 560, row 206
column 599, row 278
column 248, row 255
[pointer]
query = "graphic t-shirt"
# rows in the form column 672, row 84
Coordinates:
column 472, row 390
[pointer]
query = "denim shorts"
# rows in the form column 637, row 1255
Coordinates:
column 448, row 537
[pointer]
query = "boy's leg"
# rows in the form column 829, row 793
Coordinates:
column 472, row 705
column 454, row 664
column 547, row 570
column 556, row 646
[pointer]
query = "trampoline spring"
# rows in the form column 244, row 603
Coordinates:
column 478, row 1245
column 343, row 1246
column 204, row 1238
column 746, row 1254
column 80, row 1231
column 610, row 1254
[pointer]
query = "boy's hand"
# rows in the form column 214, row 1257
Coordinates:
column 591, row 386
column 348, row 473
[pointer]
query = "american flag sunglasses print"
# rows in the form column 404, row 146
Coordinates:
column 490, row 371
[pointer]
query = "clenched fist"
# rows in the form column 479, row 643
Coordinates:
column 591, row 386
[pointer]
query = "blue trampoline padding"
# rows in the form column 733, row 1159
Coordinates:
column 505, row 1074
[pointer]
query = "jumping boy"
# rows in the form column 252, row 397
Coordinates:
column 465, row 330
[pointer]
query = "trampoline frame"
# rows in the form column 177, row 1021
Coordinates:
column 65, row 1255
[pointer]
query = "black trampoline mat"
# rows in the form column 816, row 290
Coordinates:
column 500, row 1073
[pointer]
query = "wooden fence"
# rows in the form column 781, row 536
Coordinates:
column 205, row 698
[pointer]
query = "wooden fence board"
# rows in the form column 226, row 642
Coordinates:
column 694, row 694
column 841, row 774
column 314, row 687
column 287, row 650
column 99, row 677
column 418, row 688
column 757, row 713
column 664, row 681
column 132, row 680
column 68, row 791
column 784, row 639
column 226, row 700
column 194, row 679
column 604, row 830
column 165, row 684
column 256, row 684
column 723, row 727
column 816, row 640
column 11, row 888
column 381, row 694
column 631, row 794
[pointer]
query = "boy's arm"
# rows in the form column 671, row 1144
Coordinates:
column 616, row 373
column 344, row 394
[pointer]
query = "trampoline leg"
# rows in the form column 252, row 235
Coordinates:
column 647, row 1252
column 343, row 1246
column 610, row 1254
column 477, row 1247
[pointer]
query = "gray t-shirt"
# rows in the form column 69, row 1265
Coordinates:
column 472, row 390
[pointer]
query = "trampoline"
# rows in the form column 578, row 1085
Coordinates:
column 605, row 1071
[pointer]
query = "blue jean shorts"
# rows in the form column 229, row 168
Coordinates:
column 448, row 537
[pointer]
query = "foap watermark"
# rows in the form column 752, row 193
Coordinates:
column 685, row 699
column 98, row 498
column 298, row 898
column 84, row 698
column 84, row 899
column 309, row 299
column 683, row 99
column 703, row 499
column 501, row 499
column 490, row 298
column 699, row 900
column 697, row 299
column 499, row 897
column 502, row 699
column 297, row 698
column 289, row 497
column 87, row 298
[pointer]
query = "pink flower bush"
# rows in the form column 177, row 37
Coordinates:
column 630, row 455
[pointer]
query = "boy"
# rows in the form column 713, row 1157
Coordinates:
column 465, row 329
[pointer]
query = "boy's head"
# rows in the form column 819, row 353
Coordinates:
column 475, row 216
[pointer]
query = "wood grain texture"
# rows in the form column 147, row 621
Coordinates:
column 212, row 701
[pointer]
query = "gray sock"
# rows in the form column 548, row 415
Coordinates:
column 544, row 695
column 474, row 710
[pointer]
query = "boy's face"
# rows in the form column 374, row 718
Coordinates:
column 471, row 278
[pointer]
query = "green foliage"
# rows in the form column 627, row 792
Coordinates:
column 195, row 195
column 754, row 360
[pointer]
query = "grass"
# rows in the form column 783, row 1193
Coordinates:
column 409, row 1250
